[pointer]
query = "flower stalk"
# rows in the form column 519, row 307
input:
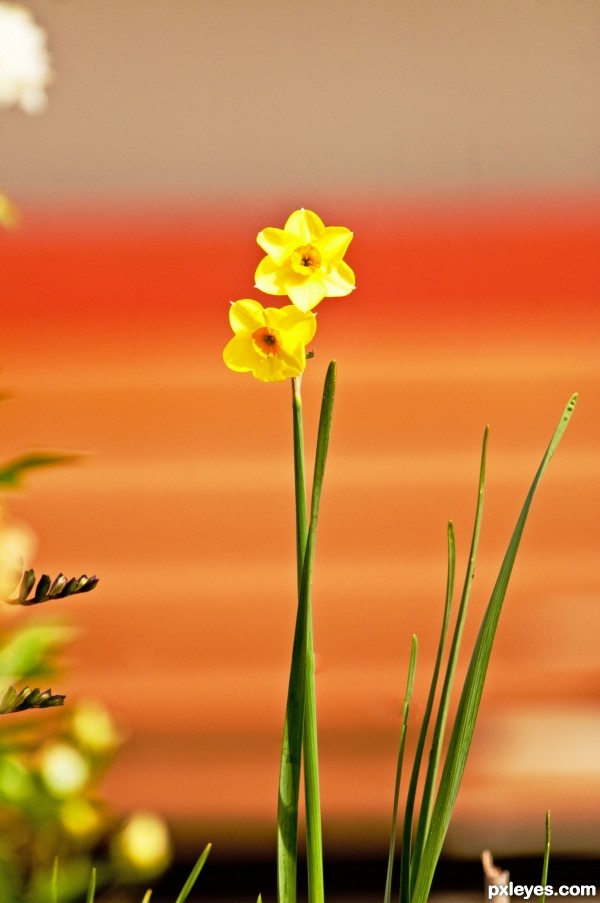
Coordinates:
column 300, row 727
column 314, row 841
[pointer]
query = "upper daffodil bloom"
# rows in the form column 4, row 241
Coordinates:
column 304, row 261
column 269, row 342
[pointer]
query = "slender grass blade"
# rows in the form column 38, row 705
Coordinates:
column 403, row 728
column 189, row 884
column 91, row 891
column 407, row 863
column 546, row 863
column 439, row 730
column 470, row 698
column 54, row 882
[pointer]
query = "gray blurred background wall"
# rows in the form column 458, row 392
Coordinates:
column 212, row 99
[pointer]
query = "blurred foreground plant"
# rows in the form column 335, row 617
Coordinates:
column 50, row 767
column 24, row 654
column 51, row 764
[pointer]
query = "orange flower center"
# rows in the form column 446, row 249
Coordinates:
column 305, row 260
column 266, row 341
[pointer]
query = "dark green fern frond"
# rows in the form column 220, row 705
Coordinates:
column 47, row 588
column 14, row 701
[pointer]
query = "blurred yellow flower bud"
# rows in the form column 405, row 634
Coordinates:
column 143, row 847
column 15, row 781
column 93, row 728
column 16, row 546
column 80, row 819
column 8, row 212
column 64, row 770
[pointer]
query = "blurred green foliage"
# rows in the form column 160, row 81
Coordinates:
column 54, row 826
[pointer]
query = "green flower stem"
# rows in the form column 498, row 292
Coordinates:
column 289, row 777
column 300, row 716
column 299, row 476
column 314, row 842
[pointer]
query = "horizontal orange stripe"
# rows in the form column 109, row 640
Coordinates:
column 113, row 330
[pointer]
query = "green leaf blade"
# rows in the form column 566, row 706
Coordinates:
column 470, row 698
column 12, row 473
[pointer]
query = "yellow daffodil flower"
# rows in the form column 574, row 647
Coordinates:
column 304, row 261
column 269, row 342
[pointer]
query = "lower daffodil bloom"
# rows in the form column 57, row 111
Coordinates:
column 304, row 261
column 269, row 342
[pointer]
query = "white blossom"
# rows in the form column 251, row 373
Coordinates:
column 25, row 69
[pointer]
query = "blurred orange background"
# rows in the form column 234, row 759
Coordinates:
column 477, row 303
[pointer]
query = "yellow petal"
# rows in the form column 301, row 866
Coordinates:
column 294, row 360
column 273, row 369
column 277, row 243
column 302, row 326
column 246, row 315
column 338, row 280
column 333, row 243
column 239, row 353
column 306, row 225
column 270, row 278
column 306, row 292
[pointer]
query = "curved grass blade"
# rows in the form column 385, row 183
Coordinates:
column 54, row 882
column 189, row 884
column 91, row 891
column 405, row 709
column 442, row 714
column 12, row 472
column 546, row 863
column 464, row 724
column 406, row 863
